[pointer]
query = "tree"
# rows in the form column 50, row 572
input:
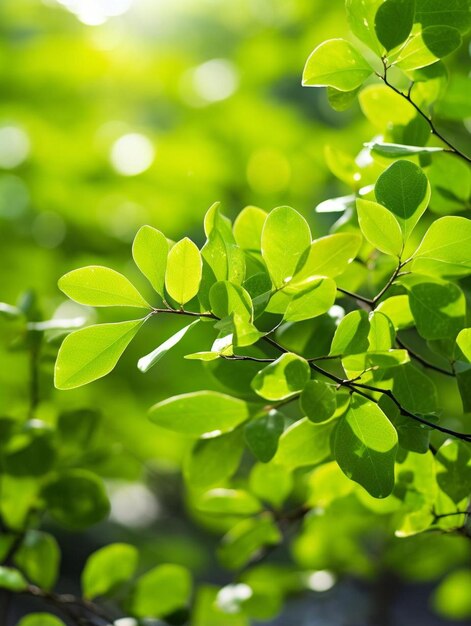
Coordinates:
column 328, row 352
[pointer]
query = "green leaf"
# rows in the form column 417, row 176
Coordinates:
column 303, row 444
column 394, row 150
column 383, row 107
column 404, row 190
column 329, row 256
column 445, row 248
column 451, row 599
column 463, row 378
column 341, row 100
column 200, row 413
column 393, row 22
column 76, row 499
column 184, row 270
column 161, row 591
column 380, row 227
column 318, row 401
column 206, row 355
column 262, row 435
column 228, row 502
column 336, row 63
column 248, row 228
column 427, row 47
column 245, row 539
column 365, row 446
column 146, row 362
column 438, row 307
column 453, row 467
column 107, row 568
column 312, row 301
column 444, row 13
column 227, row 298
column 271, row 483
column 12, row 579
column 282, row 378
column 92, row 352
column 354, row 364
column 415, row 390
column 101, row 286
column 397, row 309
column 30, row 453
column 351, row 336
column 38, row 557
column 150, row 252
column 40, row 619
column 382, row 335
column 285, row 237
column 361, row 18
column 464, row 342
column 211, row 461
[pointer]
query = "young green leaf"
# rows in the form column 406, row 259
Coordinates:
column 184, row 270
column 444, row 13
column 393, row 22
column 226, row 298
column 318, row 401
column 107, row 568
column 365, row 446
column 329, row 256
column 354, row 364
column 146, row 362
column 263, row 433
column 464, row 342
column 415, row 390
column 150, row 252
column 312, row 301
column 361, row 18
column 427, row 47
column 101, row 286
column 161, row 591
column 336, row 63
column 285, row 237
column 271, row 483
column 246, row 539
column 404, row 189
column 438, row 307
column 211, row 461
column 12, row 580
column 38, row 557
column 395, row 150
column 92, row 352
column 282, row 378
column 382, row 335
column 445, row 248
column 380, row 227
column 248, row 228
column 397, row 309
column 303, row 444
column 200, row 413
column 351, row 336
column 76, row 499
column 40, row 619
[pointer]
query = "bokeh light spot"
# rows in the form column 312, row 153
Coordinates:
column 132, row 154
column 14, row 146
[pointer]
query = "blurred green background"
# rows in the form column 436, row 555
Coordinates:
column 118, row 113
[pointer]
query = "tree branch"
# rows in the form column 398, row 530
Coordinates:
column 433, row 129
column 421, row 359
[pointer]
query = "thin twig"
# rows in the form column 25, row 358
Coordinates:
column 433, row 129
column 421, row 359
